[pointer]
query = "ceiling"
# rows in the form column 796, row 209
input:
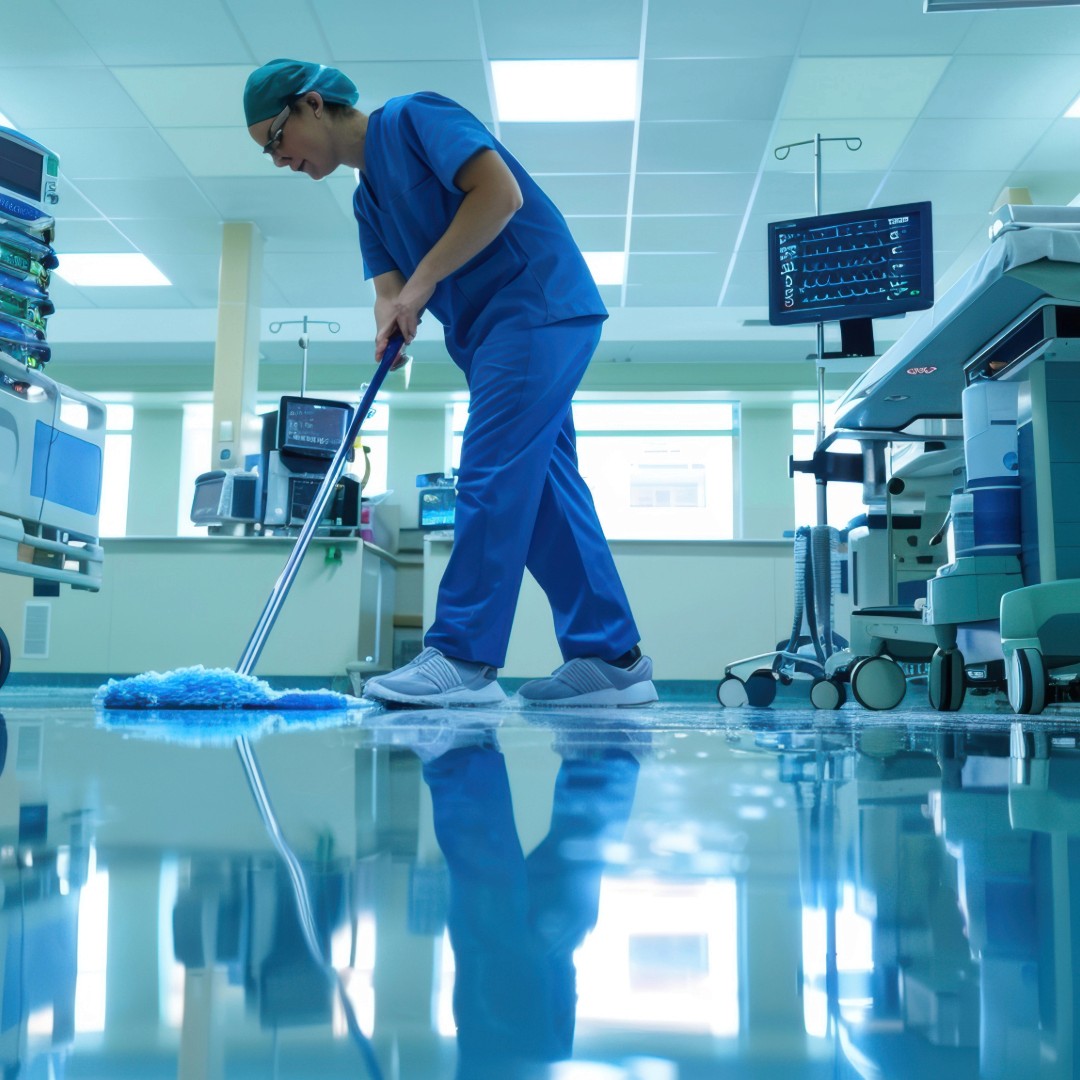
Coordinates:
column 142, row 103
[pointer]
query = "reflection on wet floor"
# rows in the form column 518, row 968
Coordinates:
column 658, row 894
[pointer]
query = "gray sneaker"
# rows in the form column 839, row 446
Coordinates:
column 433, row 679
column 591, row 681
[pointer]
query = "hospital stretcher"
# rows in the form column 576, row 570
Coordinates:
column 1013, row 319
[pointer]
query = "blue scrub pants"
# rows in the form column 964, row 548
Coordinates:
column 521, row 502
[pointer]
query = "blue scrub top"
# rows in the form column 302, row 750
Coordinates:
column 530, row 275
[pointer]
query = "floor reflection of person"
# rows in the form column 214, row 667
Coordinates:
column 515, row 920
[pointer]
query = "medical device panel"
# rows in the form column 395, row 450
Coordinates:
column 863, row 264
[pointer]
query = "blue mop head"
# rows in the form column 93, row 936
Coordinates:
column 212, row 688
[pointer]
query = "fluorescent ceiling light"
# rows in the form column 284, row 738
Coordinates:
column 1074, row 109
column 6, row 122
column 930, row 6
column 113, row 268
column 606, row 267
column 554, row 91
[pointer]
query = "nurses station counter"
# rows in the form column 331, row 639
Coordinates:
column 169, row 602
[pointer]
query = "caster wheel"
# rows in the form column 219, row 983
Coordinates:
column 945, row 682
column 827, row 694
column 878, row 682
column 761, row 689
column 5, row 657
column 1026, row 675
column 731, row 692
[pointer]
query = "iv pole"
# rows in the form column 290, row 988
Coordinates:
column 333, row 327
column 852, row 142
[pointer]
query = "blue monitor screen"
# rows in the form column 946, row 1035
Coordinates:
column 864, row 264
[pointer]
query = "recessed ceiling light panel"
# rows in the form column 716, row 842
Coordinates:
column 565, row 91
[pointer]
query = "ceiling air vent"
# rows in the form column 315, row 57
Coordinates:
column 930, row 6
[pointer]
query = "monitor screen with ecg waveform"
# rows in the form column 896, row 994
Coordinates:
column 863, row 264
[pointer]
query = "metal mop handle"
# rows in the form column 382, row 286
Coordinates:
column 318, row 507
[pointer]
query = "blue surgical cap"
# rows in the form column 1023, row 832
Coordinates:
column 270, row 88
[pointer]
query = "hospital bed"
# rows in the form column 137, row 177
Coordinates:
column 997, row 354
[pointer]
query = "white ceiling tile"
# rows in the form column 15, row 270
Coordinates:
column 561, row 29
column 952, row 232
column 602, row 193
column 598, row 233
column 571, row 148
column 791, row 194
column 84, row 97
column 218, row 151
column 189, row 96
column 731, row 146
column 692, row 193
column 111, row 153
column 137, row 32
column 54, row 42
column 185, row 236
column 177, row 197
column 732, row 89
column 694, row 233
column 83, row 236
column 273, row 27
column 881, row 28
column 283, row 206
column 1057, row 150
column 318, row 280
column 463, row 81
column 445, row 30
column 692, row 28
column 72, row 204
column 877, row 87
column 976, row 144
column 66, row 297
column 672, row 294
column 977, row 86
column 1036, row 30
column 881, row 139
column 611, row 295
column 695, row 270
column 948, row 192
column 748, row 286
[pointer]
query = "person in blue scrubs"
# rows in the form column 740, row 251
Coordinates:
column 451, row 224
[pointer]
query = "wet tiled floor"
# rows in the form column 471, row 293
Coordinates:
column 658, row 894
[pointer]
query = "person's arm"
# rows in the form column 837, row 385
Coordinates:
column 492, row 197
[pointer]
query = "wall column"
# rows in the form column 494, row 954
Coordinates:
column 236, row 352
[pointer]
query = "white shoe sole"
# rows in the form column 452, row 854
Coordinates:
column 492, row 694
column 642, row 693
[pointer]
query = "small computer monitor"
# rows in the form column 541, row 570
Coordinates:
column 27, row 168
column 311, row 427
column 863, row 264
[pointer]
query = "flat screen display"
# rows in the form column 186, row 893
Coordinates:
column 312, row 428
column 22, row 167
column 864, row 264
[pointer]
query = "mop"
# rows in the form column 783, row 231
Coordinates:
column 222, row 688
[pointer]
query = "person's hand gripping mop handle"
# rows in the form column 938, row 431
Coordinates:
column 318, row 508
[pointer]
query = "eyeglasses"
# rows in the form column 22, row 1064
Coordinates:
column 277, row 127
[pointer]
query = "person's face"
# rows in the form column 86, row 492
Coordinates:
column 299, row 137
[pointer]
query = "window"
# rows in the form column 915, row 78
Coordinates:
column 844, row 500
column 197, row 447
column 116, row 470
column 657, row 470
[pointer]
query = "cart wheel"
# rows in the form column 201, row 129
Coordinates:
column 731, row 692
column 945, row 680
column 827, row 694
column 1026, row 676
column 878, row 682
column 761, row 688
column 5, row 658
